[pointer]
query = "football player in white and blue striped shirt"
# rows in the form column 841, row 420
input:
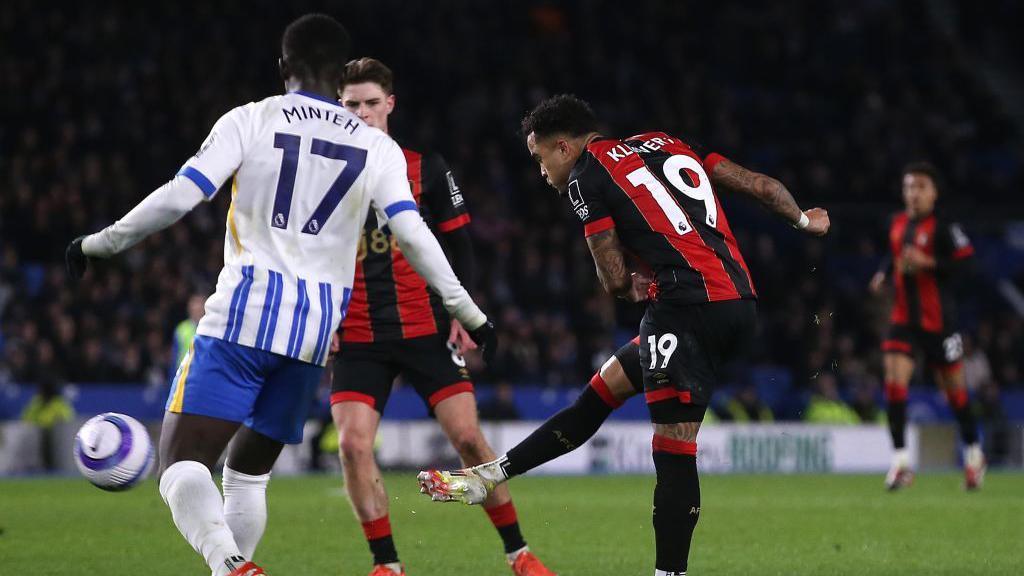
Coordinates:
column 304, row 174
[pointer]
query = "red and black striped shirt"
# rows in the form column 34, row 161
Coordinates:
column 924, row 299
column 655, row 191
column 390, row 301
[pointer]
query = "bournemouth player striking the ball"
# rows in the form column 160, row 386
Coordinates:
column 656, row 231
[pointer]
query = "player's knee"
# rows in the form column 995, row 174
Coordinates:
column 354, row 444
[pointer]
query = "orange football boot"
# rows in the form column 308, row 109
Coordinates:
column 526, row 564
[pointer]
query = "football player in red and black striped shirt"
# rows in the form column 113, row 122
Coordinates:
column 656, row 231
column 927, row 253
column 396, row 326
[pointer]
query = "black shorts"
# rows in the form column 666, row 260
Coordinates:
column 940, row 349
column 684, row 349
column 365, row 372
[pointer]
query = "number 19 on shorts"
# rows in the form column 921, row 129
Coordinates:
column 665, row 346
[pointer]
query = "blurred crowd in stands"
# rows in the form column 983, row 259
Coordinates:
column 102, row 103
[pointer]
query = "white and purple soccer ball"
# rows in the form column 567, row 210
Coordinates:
column 113, row 451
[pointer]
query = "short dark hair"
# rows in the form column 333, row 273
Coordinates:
column 561, row 114
column 926, row 169
column 316, row 45
column 369, row 70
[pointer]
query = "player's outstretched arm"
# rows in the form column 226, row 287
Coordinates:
column 198, row 180
column 165, row 206
column 772, row 194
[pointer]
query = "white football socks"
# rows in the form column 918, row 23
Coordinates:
column 245, row 508
column 973, row 456
column 901, row 458
column 512, row 556
column 198, row 511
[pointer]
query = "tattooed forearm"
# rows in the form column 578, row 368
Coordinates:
column 767, row 190
column 610, row 262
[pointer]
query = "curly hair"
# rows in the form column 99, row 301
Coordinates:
column 561, row 114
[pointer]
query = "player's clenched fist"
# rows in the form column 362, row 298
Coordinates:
column 818, row 224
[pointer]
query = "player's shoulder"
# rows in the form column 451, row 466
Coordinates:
column 656, row 137
column 241, row 114
column 597, row 154
column 654, row 140
column 427, row 156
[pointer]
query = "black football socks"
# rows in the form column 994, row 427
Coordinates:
column 561, row 434
column 676, row 502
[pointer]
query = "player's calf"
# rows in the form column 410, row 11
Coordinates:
column 676, row 495
column 196, row 508
column 470, row 444
column 562, row 433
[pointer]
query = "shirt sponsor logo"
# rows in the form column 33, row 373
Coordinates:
column 576, row 199
column 453, row 190
column 574, row 193
column 206, row 145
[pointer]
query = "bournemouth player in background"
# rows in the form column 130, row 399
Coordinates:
column 927, row 253
column 396, row 326
column 650, row 213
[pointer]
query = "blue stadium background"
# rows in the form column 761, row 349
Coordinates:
column 830, row 97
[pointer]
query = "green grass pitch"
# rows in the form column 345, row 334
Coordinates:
column 750, row 525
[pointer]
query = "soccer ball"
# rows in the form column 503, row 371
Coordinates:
column 113, row 451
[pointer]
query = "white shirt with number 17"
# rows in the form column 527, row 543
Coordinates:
column 305, row 172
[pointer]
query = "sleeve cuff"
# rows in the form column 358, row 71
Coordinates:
column 92, row 246
column 454, row 223
column 400, row 206
column 598, row 226
column 199, row 179
column 711, row 160
column 965, row 252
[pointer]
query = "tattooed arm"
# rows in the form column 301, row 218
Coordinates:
column 769, row 192
column 610, row 260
